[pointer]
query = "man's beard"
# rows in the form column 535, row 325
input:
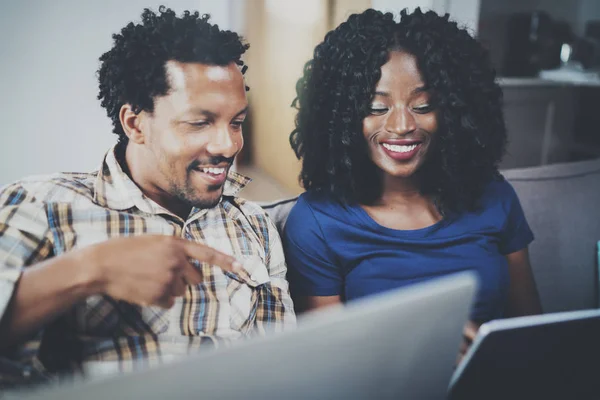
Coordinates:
column 201, row 202
column 209, row 196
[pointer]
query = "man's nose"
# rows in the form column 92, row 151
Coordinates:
column 225, row 143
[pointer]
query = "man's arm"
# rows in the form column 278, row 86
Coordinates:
column 43, row 292
column 24, row 241
column 279, row 314
column 36, row 287
column 144, row 270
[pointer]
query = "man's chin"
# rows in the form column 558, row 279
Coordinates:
column 205, row 203
column 209, row 200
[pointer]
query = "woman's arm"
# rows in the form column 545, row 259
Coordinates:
column 523, row 297
column 308, row 303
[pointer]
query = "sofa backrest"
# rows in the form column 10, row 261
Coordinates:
column 279, row 211
column 562, row 205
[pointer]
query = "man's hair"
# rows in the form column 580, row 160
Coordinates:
column 337, row 88
column 134, row 70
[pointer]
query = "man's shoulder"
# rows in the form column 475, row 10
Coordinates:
column 254, row 217
column 247, row 207
column 57, row 187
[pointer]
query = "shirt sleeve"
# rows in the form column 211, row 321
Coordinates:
column 278, row 310
column 516, row 234
column 24, row 238
column 312, row 267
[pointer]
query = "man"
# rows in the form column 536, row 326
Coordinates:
column 152, row 255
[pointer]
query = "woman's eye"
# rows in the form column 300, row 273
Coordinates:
column 377, row 110
column 423, row 109
column 237, row 124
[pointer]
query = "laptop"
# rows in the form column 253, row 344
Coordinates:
column 551, row 356
column 399, row 344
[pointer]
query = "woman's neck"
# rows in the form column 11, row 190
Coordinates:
column 401, row 205
column 399, row 191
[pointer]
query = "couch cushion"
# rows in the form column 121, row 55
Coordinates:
column 561, row 203
column 279, row 210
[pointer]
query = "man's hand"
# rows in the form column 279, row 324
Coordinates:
column 149, row 270
column 469, row 333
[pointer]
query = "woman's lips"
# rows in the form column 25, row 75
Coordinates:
column 401, row 150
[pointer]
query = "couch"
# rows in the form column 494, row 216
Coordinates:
column 562, row 205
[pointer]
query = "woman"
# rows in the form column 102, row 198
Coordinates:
column 400, row 132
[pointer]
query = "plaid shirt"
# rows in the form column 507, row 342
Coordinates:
column 49, row 216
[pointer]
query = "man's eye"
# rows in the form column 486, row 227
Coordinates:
column 198, row 124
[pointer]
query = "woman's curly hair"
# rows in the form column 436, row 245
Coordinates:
column 134, row 70
column 338, row 85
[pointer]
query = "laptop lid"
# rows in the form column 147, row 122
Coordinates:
column 545, row 356
column 400, row 344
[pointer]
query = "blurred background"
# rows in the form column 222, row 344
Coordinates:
column 546, row 52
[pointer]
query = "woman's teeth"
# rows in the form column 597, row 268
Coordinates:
column 400, row 148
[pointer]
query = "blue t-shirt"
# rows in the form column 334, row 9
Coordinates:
column 338, row 249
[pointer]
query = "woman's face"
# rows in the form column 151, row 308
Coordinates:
column 402, row 120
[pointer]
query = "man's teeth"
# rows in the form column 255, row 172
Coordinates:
column 400, row 148
column 214, row 171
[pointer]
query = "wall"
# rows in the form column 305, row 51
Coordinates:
column 494, row 17
column 396, row 5
column 282, row 37
column 588, row 10
column 558, row 9
column 51, row 120
column 465, row 12
column 342, row 9
column 575, row 12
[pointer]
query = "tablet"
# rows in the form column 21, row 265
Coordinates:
column 536, row 357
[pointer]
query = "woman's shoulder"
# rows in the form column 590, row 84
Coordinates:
column 497, row 205
column 318, row 208
column 498, row 191
column 319, row 202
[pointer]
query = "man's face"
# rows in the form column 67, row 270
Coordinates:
column 194, row 133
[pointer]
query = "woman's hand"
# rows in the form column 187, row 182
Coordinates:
column 469, row 333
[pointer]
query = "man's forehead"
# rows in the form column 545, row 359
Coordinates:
column 178, row 73
column 201, row 89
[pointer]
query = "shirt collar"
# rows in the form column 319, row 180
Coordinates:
column 115, row 190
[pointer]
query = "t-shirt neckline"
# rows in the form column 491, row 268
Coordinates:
column 366, row 218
